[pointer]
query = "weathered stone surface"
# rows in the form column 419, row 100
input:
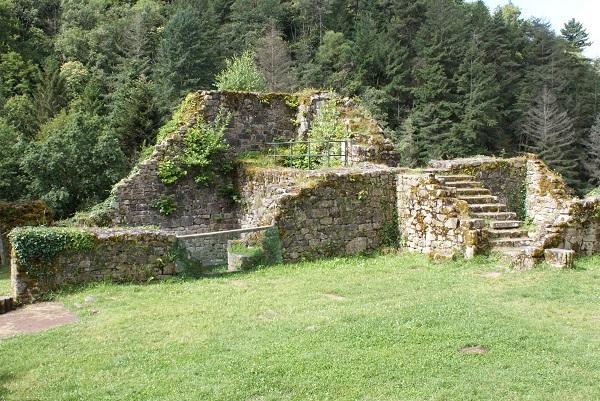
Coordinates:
column 561, row 258
column 433, row 221
column 118, row 255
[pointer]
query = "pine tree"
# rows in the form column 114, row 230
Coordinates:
column 549, row 132
column 476, row 83
column 591, row 161
column 50, row 94
column 574, row 33
column 134, row 117
column 187, row 54
column 274, row 61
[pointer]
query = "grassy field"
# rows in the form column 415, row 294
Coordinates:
column 382, row 328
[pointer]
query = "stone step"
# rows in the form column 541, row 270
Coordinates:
column 507, row 233
column 479, row 199
column 464, row 184
column 455, row 178
column 488, row 208
column 472, row 191
column 509, row 251
column 509, row 242
column 497, row 216
column 499, row 224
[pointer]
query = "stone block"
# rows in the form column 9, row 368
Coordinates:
column 356, row 246
column 561, row 258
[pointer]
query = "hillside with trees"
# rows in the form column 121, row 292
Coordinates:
column 85, row 84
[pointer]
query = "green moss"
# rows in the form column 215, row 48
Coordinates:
column 36, row 248
column 188, row 108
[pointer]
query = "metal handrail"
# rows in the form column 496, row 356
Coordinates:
column 291, row 156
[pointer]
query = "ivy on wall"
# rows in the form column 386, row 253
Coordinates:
column 36, row 248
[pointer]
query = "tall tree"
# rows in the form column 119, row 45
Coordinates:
column 574, row 33
column 187, row 57
column 591, row 161
column 549, row 133
column 274, row 60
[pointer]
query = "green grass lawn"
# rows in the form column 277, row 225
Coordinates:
column 4, row 280
column 381, row 328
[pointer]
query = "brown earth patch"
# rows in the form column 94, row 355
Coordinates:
column 34, row 318
column 478, row 349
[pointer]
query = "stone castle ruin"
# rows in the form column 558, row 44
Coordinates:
column 361, row 203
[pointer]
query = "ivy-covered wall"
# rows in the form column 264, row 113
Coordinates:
column 19, row 214
column 49, row 258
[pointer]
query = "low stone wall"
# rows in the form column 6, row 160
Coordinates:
column 343, row 213
column 433, row 221
column 19, row 214
column 116, row 255
column 210, row 249
column 505, row 178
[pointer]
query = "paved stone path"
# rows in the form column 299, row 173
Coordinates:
column 34, row 318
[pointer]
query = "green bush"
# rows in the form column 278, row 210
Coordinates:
column 203, row 157
column 166, row 205
column 36, row 248
column 241, row 74
column 169, row 172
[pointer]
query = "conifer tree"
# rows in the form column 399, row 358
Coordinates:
column 549, row 133
column 591, row 159
column 574, row 33
column 274, row 61
column 187, row 54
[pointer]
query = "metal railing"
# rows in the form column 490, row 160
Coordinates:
column 293, row 152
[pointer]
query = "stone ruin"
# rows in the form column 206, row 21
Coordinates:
column 516, row 206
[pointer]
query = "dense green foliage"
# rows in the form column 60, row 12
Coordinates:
column 241, row 74
column 84, row 85
column 380, row 328
column 203, row 156
column 37, row 247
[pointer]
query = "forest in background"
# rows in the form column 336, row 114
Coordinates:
column 85, row 84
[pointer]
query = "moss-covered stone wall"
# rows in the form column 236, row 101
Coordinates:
column 108, row 255
column 344, row 212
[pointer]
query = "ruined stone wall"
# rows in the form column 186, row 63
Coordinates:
column 261, row 190
column 547, row 193
column 343, row 213
column 505, row 178
column 433, row 221
column 19, row 214
column 117, row 255
column 255, row 120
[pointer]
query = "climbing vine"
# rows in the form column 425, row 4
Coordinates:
column 36, row 248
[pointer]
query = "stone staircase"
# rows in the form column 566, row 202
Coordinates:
column 505, row 231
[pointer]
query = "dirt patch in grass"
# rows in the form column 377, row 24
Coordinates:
column 34, row 318
column 477, row 349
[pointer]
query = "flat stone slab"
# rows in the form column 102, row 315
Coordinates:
column 35, row 318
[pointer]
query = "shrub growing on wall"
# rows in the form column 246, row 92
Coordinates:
column 203, row 157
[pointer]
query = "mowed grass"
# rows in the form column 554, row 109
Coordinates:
column 382, row 328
